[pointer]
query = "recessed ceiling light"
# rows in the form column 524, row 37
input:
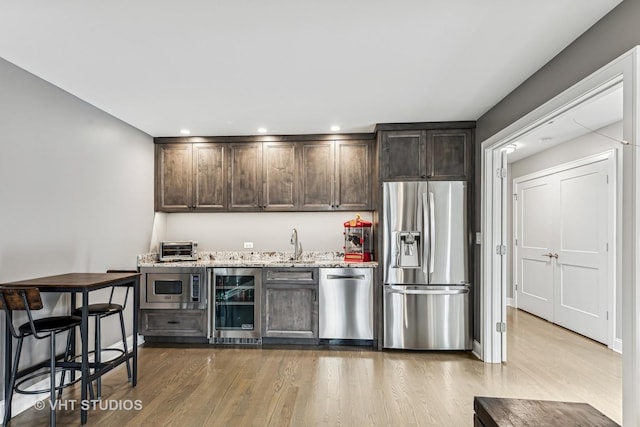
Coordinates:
column 545, row 139
column 262, row 130
column 335, row 128
column 185, row 132
column 509, row 148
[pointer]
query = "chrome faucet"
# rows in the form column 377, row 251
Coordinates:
column 297, row 246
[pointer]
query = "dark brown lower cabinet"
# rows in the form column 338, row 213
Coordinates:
column 290, row 305
column 171, row 323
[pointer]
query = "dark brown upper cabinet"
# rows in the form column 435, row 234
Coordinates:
column 190, row 177
column 245, row 177
column 426, row 151
column 317, row 177
column 336, row 175
column 449, row 154
column 280, row 176
column 404, row 155
column 262, row 176
column 271, row 173
column 210, row 177
column 353, row 175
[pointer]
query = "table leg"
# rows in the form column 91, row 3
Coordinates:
column 136, row 305
column 74, row 350
column 84, row 334
column 8, row 350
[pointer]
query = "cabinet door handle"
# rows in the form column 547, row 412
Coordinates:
column 173, row 322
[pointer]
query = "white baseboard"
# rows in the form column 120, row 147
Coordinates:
column 511, row 302
column 477, row 349
column 617, row 345
column 22, row 402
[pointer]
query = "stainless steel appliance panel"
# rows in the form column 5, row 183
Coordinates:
column 173, row 288
column 425, row 233
column 447, row 219
column 346, row 303
column 405, row 241
column 427, row 317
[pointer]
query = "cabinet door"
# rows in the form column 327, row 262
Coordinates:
column 279, row 175
column 449, row 154
column 290, row 311
column 317, row 175
column 209, row 177
column 245, row 176
column 173, row 178
column 404, row 155
column 353, row 175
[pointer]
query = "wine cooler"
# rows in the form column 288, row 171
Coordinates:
column 235, row 316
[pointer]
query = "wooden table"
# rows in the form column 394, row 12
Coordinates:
column 496, row 412
column 84, row 283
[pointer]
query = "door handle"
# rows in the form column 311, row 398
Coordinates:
column 550, row 255
column 341, row 277
column 432, row 234
column 427, row 292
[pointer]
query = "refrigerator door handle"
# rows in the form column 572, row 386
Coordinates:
column 432, row 234
column 426, row 291
column 427, row 233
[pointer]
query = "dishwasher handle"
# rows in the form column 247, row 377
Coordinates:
column 345, row 277
column 427, row 291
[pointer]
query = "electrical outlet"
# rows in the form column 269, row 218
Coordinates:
column 248, row 245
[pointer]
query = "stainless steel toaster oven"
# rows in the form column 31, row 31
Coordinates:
column 178, row 251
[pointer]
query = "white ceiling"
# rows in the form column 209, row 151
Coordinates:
column 293, row 66
column 596, row 112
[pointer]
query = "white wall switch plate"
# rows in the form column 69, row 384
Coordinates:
column 248, row 245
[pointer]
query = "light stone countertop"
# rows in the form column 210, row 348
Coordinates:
column 258, row 259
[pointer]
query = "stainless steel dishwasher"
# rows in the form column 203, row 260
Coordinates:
column 346, row 303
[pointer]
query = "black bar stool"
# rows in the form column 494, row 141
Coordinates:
column 99, row 311
column 27, row 299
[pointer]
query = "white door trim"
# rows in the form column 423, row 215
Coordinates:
column 625, row 69
column 614, row 204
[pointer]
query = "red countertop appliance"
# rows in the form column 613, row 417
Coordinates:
column 358, row 243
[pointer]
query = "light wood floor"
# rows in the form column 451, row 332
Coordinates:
column 299, row 387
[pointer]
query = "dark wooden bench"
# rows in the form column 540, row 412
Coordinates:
column 503, row 412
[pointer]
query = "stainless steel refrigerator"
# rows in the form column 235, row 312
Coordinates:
column 425, row 266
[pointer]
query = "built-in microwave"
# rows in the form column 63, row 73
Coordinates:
column 173, row 288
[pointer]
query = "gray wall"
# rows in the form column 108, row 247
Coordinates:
column 76, row 190
column 612, row 36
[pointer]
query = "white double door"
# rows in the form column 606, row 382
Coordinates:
column 564, row 232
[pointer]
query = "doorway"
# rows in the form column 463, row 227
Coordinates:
column 492, row 346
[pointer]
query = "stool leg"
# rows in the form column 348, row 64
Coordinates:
column 124, row 344
column 12, row 383
column 52, row 385
column 67, row 353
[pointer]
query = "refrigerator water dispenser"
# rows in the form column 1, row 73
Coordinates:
column 408, row 250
